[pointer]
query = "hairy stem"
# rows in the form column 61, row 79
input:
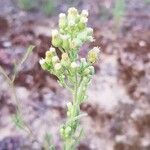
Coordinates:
column 70, row 142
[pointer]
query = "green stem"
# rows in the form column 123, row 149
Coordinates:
column 70, row 142
column 75, row 88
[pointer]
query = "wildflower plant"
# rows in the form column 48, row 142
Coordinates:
column 73, row 72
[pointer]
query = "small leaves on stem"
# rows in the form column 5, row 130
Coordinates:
column 73, row 72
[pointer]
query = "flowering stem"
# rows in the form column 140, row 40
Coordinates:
column 70, row 142
column 72, row 71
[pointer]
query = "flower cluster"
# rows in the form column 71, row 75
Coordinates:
column 51, row 62
column 72, row 72
column 72, row 33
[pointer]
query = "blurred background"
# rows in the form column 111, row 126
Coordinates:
column 118, row 104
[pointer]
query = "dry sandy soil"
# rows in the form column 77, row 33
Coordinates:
column 118, row 104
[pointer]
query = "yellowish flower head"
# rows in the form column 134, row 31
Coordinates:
column 93, row 55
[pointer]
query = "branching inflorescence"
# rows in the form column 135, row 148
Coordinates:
column 73, row 72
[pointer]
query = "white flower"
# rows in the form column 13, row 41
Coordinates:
column 96, row 49
column 90, row 31
column 55, row 33
column 62, row 15
column 74, row 65
column 84, row 19
column 85, row 13
column 42, row 61
column 71, row 22
column 69, row 105
column 57, row 66
column 72, row 11
column 55, row 59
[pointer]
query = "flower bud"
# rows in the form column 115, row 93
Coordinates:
column 42, row 61
column 67, row 131
column 62, row 20
column 92, row 70
column 91, row 39
column 55, row 33
column 56, row 41
column 86, row 71
column 65, row 43
column 71, row 23
column 84, row 13
column 89, row 31
column 55, row 59
column 43, row 64
column 72, row 11
column 48, row 54
column 82, row 36
column 62, row 16
column 52, row 49
column 84, row 20
column 69, row 105
column 83, row 61
column 74, row 65
column 64, row 56
column 68, row 113
column 93, row 55
column 57, row 67
column 83, row 64
column 65, row 61
column 51, row 52
column 85, row 81
column 76, row 43
column 82, row 23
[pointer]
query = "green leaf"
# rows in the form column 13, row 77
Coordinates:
column 18, row 120
column 26, row 54
column 75, row 118
column 78, row 138
column 23, row 59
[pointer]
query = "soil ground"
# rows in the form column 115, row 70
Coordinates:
column 118, row 104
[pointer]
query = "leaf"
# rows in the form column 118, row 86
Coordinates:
column 18, row 120
column 76, row 118
column 23, row 59
column 78, row 138
column 25, row 56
